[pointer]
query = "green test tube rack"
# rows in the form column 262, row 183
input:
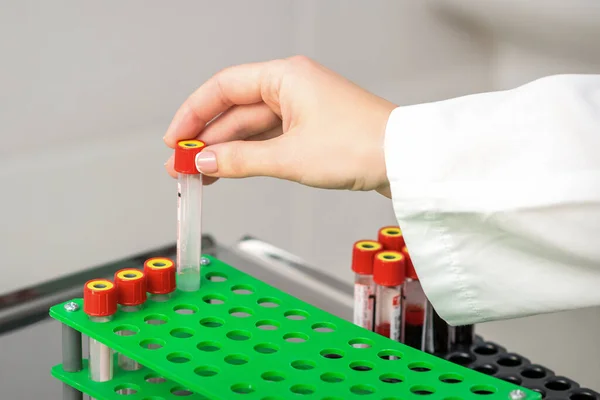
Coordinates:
column 239, row 337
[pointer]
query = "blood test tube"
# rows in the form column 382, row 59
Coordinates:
column 189, row 214
column 363, row 255
column 438, row 334
column 391, row 238
column 414, row 307
column 160, row 278
column 131, row 295
column 388, row 275
column 463, row 337
column 100, row 304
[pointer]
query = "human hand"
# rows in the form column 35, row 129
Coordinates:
column 291, row 119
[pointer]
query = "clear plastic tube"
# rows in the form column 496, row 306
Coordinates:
column 388, row 314
column 364, row 301
column 189, row 235
column 414, row 309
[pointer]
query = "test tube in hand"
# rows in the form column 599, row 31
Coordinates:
column 189, row 215
column 388, row 274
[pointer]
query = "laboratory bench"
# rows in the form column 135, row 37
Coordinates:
column 30, row 340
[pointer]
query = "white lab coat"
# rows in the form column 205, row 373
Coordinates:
column 498, row 196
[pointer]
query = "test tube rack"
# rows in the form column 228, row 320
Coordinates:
column 238, row 336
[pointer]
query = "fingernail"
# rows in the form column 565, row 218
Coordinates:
column 206, row 162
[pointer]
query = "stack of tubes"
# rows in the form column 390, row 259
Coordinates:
column 389, row 299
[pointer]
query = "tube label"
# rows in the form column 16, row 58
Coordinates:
column 396, row 315
column 363, row 306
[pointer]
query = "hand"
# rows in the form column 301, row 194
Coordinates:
column 291, row 119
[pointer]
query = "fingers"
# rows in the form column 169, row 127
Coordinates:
column 242, row 159
column 240, row 122
column 239, row 85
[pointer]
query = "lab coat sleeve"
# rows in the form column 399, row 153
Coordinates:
column 498, row 197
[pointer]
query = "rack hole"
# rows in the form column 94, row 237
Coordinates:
column 182, row 333
column 206, row 371
column 154, row 378
column 209, row 346
column 296, row 315
column 487, row 349
column 266, row 348
column 391, row 378
column 420, row 367
column 487, row 369
column 362, row 390
column 273, row 376
column 323, row 327
column 422, row 390
column 236, row 359
column 295, row 337
column 240, row 312
column 267, row 325
column 332, row 353
column 242, row 388
column 483, row 389
column 360, row 343
column 216, row 277
column 583, row 395
column 185, row 309
column 389, row 355
column 540, row 391
column 179, row 391
column 510, row 361
column 126, row 389
column 558, row 384
column 179, row 358
column 152, row 344
column 463, row 359
column 242, row 289
column 126, row 330
column 303, row 389
column 269, row 302
column 332, row 377
column 239, row 335
column 156, row 319
column 361, row 366
column 533, row 372
column 212, row 322
column 214, row 299
column 451, row 378
column 303, row 365
column 511, row 379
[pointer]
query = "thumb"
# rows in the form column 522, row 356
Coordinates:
column 242, row 159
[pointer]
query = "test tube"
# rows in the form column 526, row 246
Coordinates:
column 391, row 238
column 131, row 295
column 363, row 254
column 414, row 307
column 464, row 336
column 100, row 304
column 160, row 278
column 388, row 275
column 189, row 215
column 438, row 334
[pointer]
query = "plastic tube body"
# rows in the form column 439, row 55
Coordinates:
column 364, row 301
column 414, row 309
column 388, row 314
column 438, row 334
column 100, row 357
column 189, row 235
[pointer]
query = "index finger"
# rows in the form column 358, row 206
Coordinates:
column 238, row 85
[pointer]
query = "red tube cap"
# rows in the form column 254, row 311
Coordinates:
column 391, row 238
column 131, row 287
column 389, row 268
column 363, row 254
column 99, row 298
column 185, row 156
column 410, row 268
column 160, row 275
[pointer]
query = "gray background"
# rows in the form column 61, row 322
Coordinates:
column 87, row 90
